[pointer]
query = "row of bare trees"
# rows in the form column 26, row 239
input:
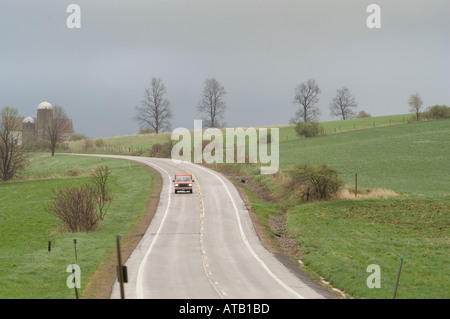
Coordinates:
column 343, row 105
column 155, row 114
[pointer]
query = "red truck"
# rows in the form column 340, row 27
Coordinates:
column 183, row 182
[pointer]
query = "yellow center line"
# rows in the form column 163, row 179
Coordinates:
column 202, row 228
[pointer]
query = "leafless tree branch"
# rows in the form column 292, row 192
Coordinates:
column 212, row 104
column 306, row 95
column 154, row 112
column 343, row 104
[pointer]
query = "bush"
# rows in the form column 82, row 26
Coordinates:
column 439, row 112
column 80, row 208
column 308, row 129
column 77, row 137
column 99, row 142
column 313, row 183
column 75, row 207
column 146, row 131
column 101, row 179
column 88, row 144
column 363, row 114
column 161, row 150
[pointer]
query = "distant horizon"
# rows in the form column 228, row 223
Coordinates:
column 411, row 115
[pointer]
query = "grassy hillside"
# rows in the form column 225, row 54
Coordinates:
column 140, row 144
column 338, row 239
column 409, row 158
column 27, row 269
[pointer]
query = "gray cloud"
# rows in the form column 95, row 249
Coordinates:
column 259, row 50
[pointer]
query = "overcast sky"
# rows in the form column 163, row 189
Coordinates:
column 258, row 50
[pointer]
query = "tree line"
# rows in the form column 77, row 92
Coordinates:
column 154, row 115
column 154, row 112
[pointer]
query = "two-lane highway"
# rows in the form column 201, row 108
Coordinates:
column 203, row 245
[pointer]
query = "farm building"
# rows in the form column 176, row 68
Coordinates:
column 35, row 129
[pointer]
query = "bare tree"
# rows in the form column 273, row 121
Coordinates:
column 154, row 112
column 58, row 128
column 306, row 95
column 415, row 104
column 344, row 104
column 212, row 104
column 101, row 179
column 12, row 156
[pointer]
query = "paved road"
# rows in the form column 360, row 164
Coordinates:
column 203, row 245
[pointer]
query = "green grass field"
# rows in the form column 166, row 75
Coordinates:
column 338, row 239
column 407, row 158
column 27, row 269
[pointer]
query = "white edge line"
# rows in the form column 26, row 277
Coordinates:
column 244, row 238
column 139, row 291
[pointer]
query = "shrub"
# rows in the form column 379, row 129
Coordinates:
column 308, row 129
column 363, row 114
column 101, row 179
column 320, row 182
column 161, row 150
column 87, row 144
column 99, row 142
column 439, row 112
column 75, row 207
column 77, row 137
column 80, row 208
column 146, row 131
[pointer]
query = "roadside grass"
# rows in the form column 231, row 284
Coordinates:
column 406, row 166
column 27, row 269
column 340, row 239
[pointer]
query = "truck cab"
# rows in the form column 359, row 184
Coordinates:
column 183, row 182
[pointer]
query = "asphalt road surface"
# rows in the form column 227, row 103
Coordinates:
column 203, row 246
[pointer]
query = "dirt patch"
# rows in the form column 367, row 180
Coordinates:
column 102, row 281
column 288, row 246
column 260, row 191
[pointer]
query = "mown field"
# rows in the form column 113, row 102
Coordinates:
column 27, row 268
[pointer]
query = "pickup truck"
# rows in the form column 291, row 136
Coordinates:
column 183, row 182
